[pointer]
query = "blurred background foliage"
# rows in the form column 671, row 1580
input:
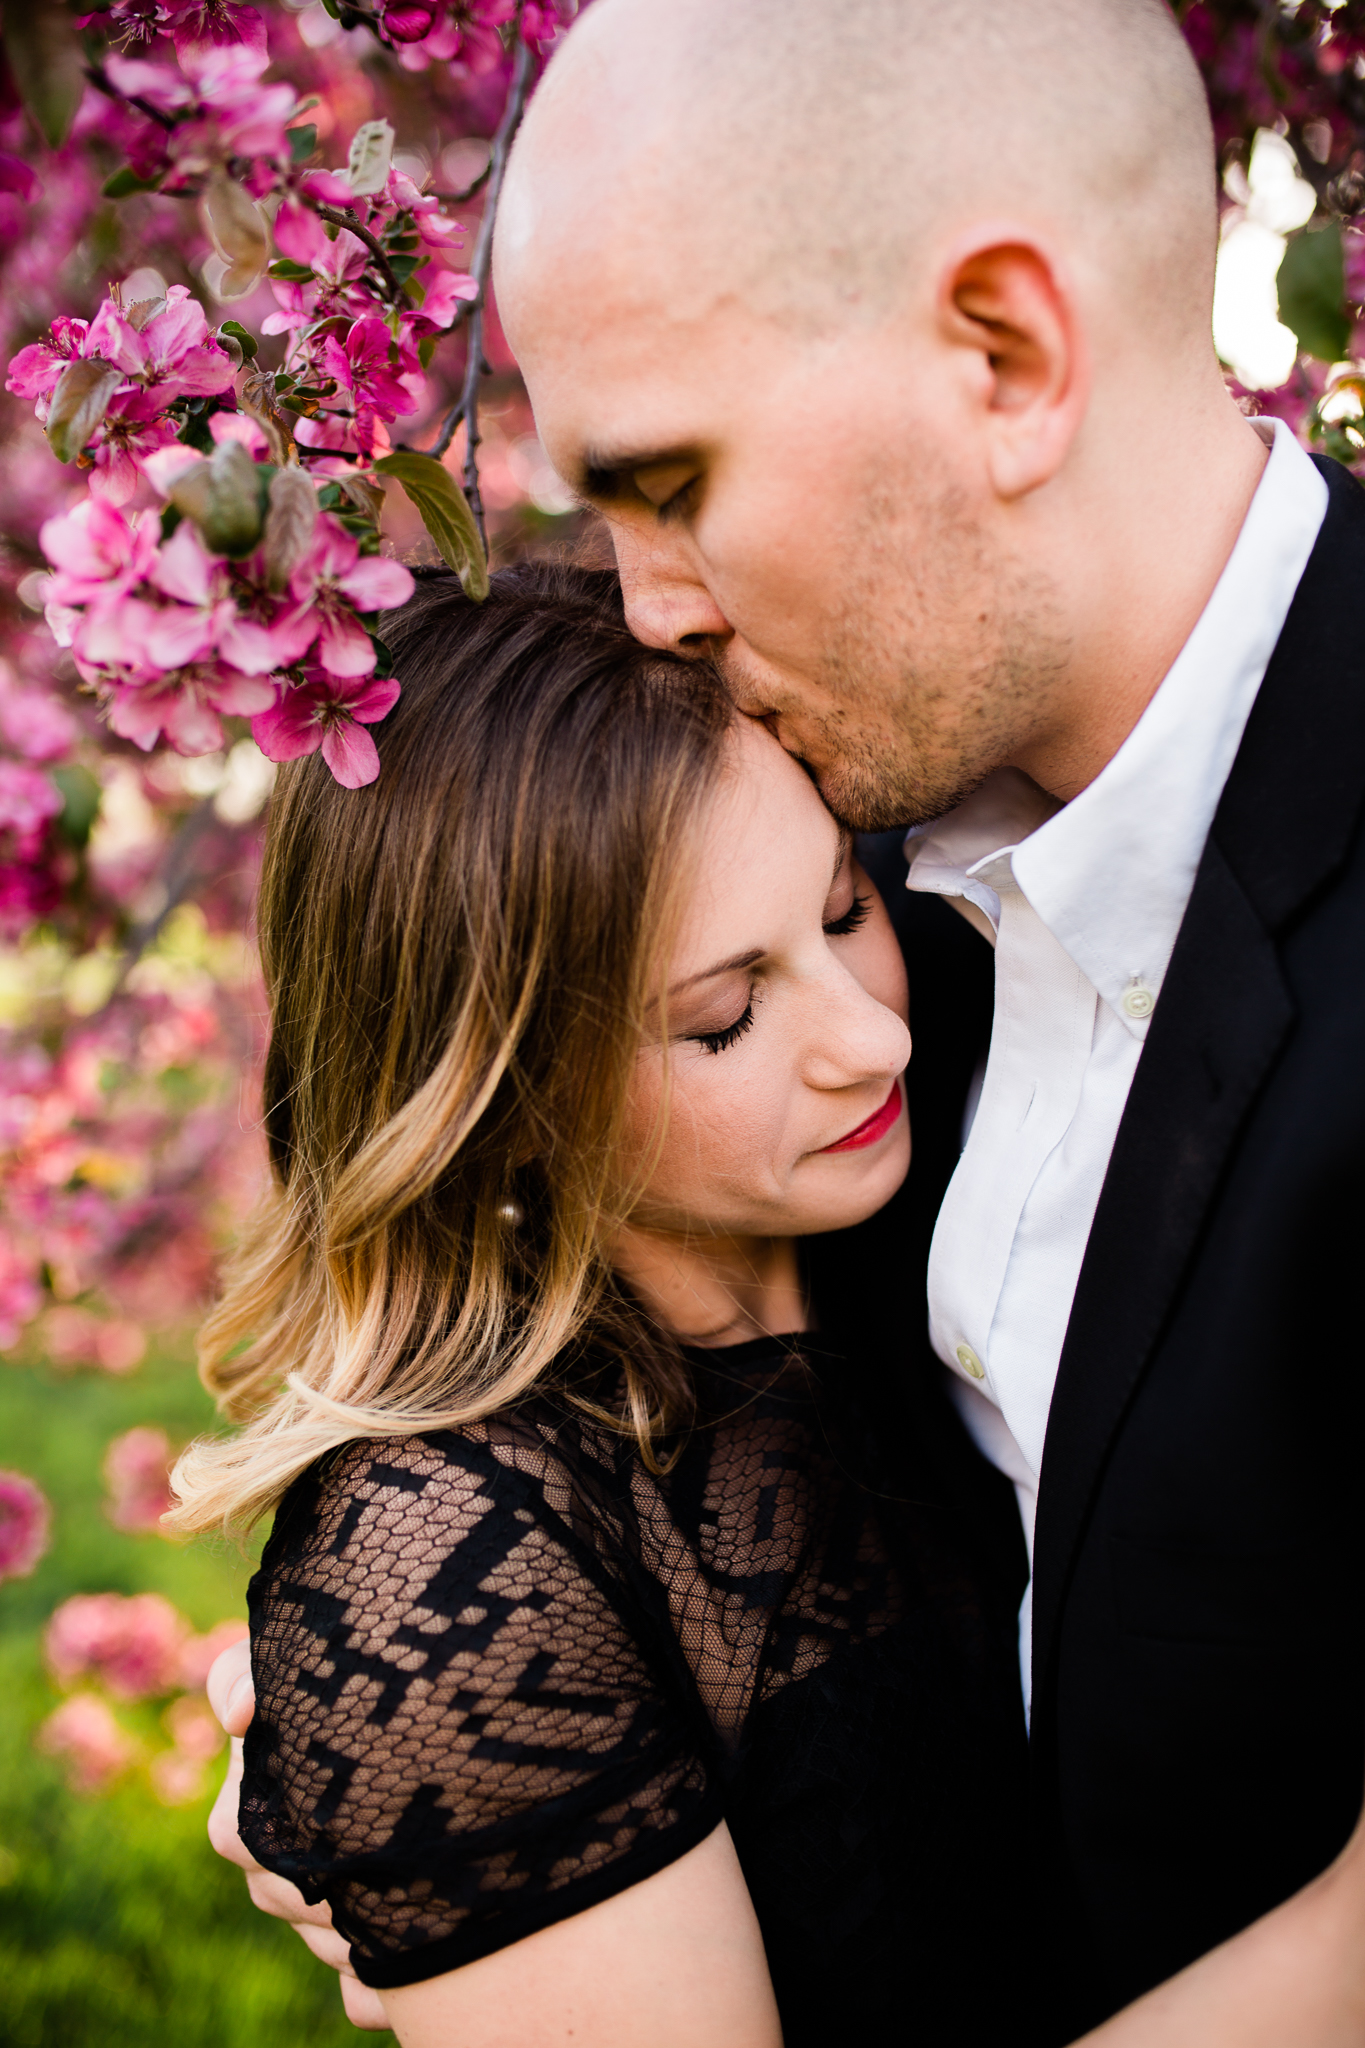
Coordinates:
column 131, row 1016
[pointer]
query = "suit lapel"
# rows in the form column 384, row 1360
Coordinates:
column 1286, row 819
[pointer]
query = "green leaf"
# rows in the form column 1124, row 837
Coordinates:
column 302, row 142
column 289, row 272
column 371, row 154
column 80, row 794
column 289, row 524
column 225, row 497
column 125, row 182
column 46, row 62
column 79, row 403
column 237, row 229
column 403, row 266
column 383, row 665
column 444, row 511
column 1312, row 292
column 245, row 340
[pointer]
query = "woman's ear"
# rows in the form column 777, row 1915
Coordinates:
column 1002, row 296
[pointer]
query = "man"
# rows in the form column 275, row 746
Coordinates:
column 880, row 335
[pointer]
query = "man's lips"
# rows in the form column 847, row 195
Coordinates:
column 873, row 1127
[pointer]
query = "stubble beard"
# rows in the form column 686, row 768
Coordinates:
column 938, row 670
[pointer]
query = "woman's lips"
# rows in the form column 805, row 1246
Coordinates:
column 873, row 1127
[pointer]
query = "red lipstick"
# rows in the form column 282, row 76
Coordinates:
column 873, row 1127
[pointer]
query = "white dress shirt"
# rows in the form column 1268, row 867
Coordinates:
column 1083, row 902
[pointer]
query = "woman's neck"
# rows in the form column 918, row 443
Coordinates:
column 715, row 1290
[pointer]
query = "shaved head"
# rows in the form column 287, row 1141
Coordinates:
column 810, row 152
column 880, row 333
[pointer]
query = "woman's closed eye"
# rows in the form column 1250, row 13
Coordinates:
column 728, row 1035
column 853, row 918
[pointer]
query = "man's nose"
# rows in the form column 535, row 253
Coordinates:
column 667, row 604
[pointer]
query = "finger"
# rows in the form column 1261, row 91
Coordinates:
column 328, row 1946
column 363, row 2007
column 232, row 1694
column 284, row 1901
column 223, row 1819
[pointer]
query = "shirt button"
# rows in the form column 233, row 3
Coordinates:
column 1138, row 1001
column 970, row 1363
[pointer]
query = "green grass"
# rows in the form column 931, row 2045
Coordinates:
column 119, row 1927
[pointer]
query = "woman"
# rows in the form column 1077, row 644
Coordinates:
column 604, row 1643
column 626, row 1669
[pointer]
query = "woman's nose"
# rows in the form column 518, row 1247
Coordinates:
column 855, row 1039
column 667, row 605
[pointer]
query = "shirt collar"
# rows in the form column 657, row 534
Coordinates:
column 1110, row 873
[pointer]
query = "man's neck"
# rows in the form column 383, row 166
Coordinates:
column 1161, row 564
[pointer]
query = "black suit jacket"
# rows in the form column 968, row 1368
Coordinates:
column 1198, row 1745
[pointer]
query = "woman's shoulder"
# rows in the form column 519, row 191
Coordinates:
column 402, row 1505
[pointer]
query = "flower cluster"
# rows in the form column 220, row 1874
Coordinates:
column 24, row 1524
column 132, row 1648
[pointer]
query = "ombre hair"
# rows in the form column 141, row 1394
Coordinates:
column 461, row 960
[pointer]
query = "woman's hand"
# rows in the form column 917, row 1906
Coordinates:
column 675, row 1961
column 233, row 1699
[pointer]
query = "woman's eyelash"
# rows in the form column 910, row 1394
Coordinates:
column 856, row 915
column 721, row 1041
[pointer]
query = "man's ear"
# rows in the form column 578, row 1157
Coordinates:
column 1002, row 297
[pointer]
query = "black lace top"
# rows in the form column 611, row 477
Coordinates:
column 504, row 1673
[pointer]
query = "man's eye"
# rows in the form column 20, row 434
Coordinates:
column 855, row 916
column 668, row 489
column 721, row 1041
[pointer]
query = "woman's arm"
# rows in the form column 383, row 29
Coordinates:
column 675, row 1961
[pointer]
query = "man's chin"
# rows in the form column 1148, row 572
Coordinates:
column 869, row 800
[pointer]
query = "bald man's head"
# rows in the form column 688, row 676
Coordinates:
column 880, row 332
column 805, row 155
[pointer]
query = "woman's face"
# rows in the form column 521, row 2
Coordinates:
column 786, row 1023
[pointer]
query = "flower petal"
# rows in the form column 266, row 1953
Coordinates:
column 377, row 584
column 350, row 753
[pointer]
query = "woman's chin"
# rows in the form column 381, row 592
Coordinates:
column 847, row 1187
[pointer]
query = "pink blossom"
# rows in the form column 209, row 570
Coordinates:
column 18, row 177
column 134, row 428
column 239, row 426
column 446, row 291
column 133, row 1645
column 196, row 23
column 20, row 1295
column 323, row 713
column 174, row 355
column 84, row 1734
column 332, row 583
column 25, row 1525
column 205, row 620
column 98, row 554
column 34, row 371
column 187, row 706
column 136, row 1475
column 383, row 376
column 28, row 802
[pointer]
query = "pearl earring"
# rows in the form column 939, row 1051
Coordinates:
column 511, row 1213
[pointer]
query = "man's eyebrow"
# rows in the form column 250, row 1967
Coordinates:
column 748, row 959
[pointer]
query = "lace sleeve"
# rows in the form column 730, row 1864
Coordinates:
column 458, row 1737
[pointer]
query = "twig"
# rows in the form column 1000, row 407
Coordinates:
column 470, row 191
column 179, row 873
column 102, row 82
column 340, row 218
column 466, row 408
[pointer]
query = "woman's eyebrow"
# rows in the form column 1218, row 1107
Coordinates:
column 749, row 959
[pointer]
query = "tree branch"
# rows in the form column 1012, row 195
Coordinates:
column 341, row 218
column 102, row 82
column 466, row 408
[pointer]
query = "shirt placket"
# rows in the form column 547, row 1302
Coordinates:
column 1040, row 1041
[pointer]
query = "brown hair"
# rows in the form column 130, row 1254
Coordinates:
column 459, row 960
